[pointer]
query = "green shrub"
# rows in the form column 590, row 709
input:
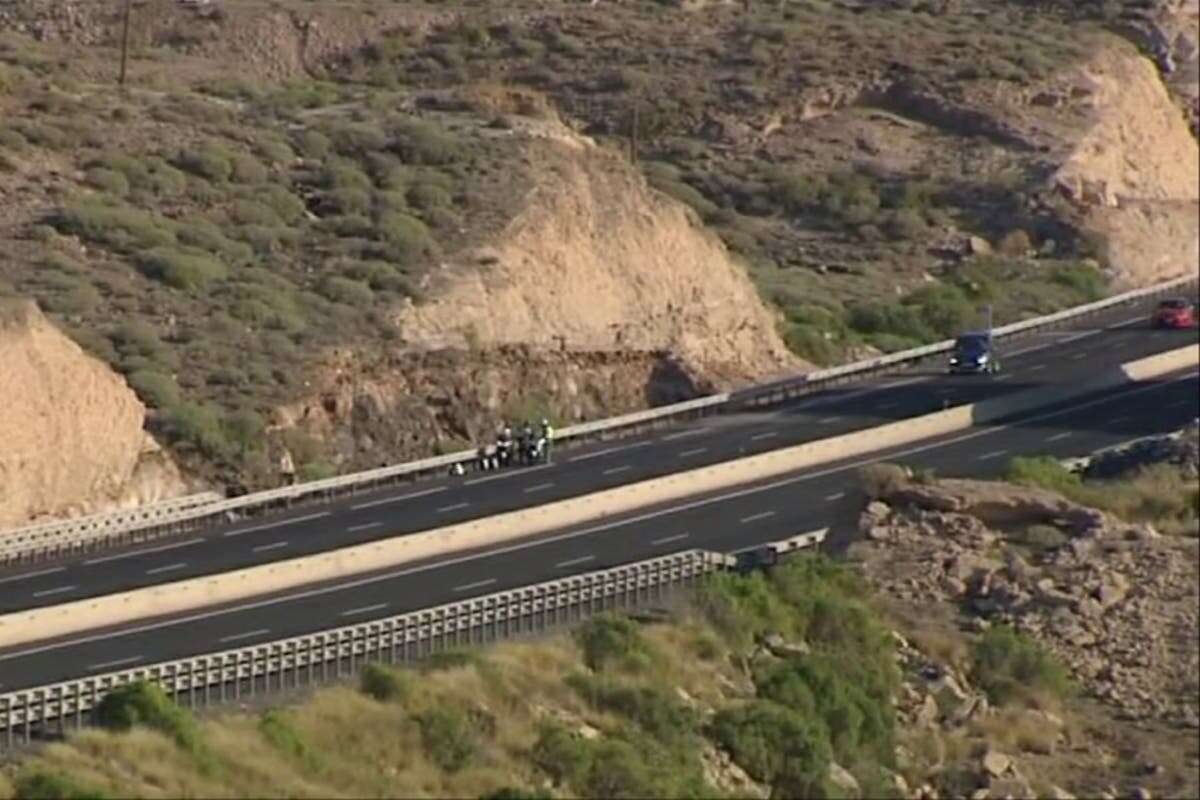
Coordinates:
column 244, row 429
column 688, row 195
column 356, row 139
column 343, row 174
column 1085, row 280
column 426, row 195
column 202, row 234
column 74, row 298
column 188, row 269
column 812, row 344
column 313, row 144
column 287, row 206
column 315, row 471
column 136, row 338
column 610, row 640
column 211, row 162
column 406, row 236
column 344, row 290
column 775, row 746
column 200, row 426
column 250, row 212
column 906, row 224
column 385, row 684
column 658, row 713
column 349, row 201
column 1040, row 537
column 277, row 729
column 117, row 226
column 1045, row 472
column 619, row 770
column 562, row 754
column 421, row 142
column 155, row 388
column 109, row 181
column 274, row 151
column 1008, row 665
column 40, row 783
column 142, row 703
column 448, row 737
column 247, row 170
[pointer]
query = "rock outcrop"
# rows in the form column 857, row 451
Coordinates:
column 1145, row 209
column 71, row 431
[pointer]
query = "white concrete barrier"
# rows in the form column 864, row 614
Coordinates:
column 186, row 595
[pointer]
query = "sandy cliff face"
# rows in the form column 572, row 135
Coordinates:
column 595, row 261
column 1134, row 173
column 71, row 437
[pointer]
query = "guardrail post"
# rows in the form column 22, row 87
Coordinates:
column 29, row 714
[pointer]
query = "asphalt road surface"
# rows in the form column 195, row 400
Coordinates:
column 810, row 499
column 1047, row 358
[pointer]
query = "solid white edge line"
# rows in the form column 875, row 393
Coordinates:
column 584, row 532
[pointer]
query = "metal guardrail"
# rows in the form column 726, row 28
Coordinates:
column 339, row 652
column 776, row 391
column 53, row 533
column 184, row 519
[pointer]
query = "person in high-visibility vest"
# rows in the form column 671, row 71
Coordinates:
column 548, row 436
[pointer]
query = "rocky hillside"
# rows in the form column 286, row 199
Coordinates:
column 363, row 232
column 72, row 430
column 1115, row 602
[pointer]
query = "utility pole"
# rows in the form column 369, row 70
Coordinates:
column 125, row 42
column 633, row 132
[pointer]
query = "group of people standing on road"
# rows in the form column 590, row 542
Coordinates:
column 528, row 446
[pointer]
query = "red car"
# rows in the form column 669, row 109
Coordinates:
column 1175, row 313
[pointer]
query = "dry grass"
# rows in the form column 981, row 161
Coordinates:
column 1018, row 731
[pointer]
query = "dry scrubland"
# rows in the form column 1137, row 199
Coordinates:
column 257, row 233
column 984, row 640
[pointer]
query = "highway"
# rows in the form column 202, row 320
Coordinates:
column 731, row 520
column 1047, row 358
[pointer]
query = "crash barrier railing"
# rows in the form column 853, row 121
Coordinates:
column 337, row 653
column 786, row 388
column 181, row 520
column 55, row 533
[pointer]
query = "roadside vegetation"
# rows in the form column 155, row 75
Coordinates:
column 1161, row 494
column 615, row 709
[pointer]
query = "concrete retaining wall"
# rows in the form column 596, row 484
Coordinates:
column 186, row 595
